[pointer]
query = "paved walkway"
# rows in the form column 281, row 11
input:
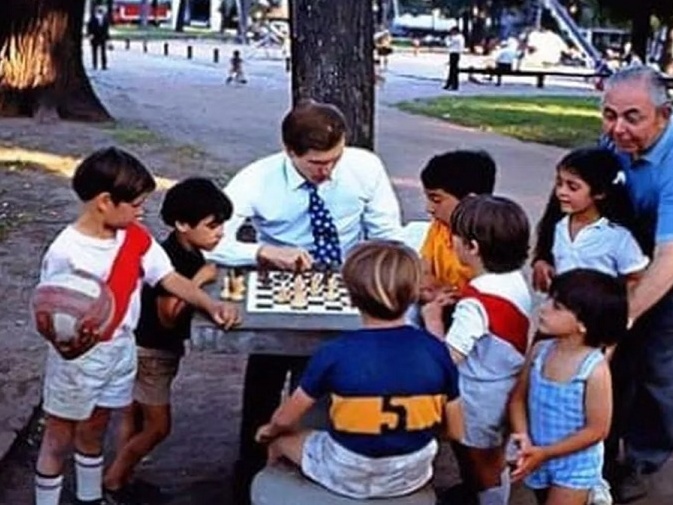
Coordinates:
column 188, row 102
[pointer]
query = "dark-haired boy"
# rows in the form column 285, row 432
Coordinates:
column 195, row 209
column 107, row 242
column 447, row 179
column 488, row 336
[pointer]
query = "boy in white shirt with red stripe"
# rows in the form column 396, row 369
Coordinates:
column 488, row 337
column 107, row 242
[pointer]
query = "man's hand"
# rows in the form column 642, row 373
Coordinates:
column 543, row 273
column 206, row 274
column 225, row 314
column 285, row 258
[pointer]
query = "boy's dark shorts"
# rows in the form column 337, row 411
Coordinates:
column 156, row 371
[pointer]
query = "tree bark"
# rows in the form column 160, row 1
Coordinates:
column 41, row 69
column 640, row 32
column 333, row 60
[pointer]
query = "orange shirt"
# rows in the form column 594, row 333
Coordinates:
column 445, row 267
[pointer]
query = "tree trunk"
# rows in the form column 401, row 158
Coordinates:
column 41, row 69
column 180, row 19
column 640, row 32
column 333, row 60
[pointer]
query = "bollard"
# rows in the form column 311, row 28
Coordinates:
column 216, row 55
column 189, row 52
column 165, row 48
column 127, row 42
column 144, row 46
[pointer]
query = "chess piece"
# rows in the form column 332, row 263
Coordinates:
column 332, row 293
column 237, row 284
column 299, row 299
column 316, row 283
column 225, row 294
column 283, row 295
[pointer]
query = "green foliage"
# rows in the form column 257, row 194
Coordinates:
column 561, row 121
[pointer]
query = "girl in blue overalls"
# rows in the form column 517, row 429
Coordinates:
column 562, row 405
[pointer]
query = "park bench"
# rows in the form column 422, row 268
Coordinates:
column 539, row 75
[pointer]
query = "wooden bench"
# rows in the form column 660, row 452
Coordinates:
column 539, row 75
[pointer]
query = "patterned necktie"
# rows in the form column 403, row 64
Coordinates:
column 325, row 236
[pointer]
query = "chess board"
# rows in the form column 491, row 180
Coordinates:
column 262, row 293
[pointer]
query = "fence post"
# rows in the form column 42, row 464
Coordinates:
column 189, row 52
column 127, row 42
column 216, row 55
column 144, row 46
column 165, row 48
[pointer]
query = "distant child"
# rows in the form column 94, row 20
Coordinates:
column 584, row 223
column 236, row 68
column 447, row 179
column 488, row 337
column 107, row 242
column 195, row 209
column 383, row 423
column 561, row 407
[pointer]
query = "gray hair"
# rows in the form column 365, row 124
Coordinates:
column 656, row 86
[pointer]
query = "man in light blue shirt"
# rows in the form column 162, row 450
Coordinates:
column 350, row 185
column 636, row 123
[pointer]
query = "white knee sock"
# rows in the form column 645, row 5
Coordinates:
column 89, row 477
column 497, row 495
column 48, row 489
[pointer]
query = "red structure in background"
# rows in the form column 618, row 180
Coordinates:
column 128, row 11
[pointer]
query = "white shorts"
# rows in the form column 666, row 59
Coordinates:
column 101, row 377
column 350, row 474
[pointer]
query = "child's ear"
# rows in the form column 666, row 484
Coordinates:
column 473, row 247
column 103, row 201
column 581, row 328
column 181, row 227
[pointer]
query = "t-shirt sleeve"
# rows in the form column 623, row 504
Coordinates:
column 156, row 264
column 54, row 263
column 469, row 324
column 630, row 257
column 664, row 232
column 315, row 380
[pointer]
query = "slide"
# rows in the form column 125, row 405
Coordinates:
column 571, row 30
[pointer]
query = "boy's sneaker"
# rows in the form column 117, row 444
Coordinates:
column 600, row 494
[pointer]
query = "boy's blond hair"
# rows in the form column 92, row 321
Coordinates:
column 382, row 278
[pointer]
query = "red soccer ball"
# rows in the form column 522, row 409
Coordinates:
column 65, row 303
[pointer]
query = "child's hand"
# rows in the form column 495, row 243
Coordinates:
column 86, row 338
column 265, row 434
column 206, row 274
column 225, row 314
column 530, row 460
column 273, row 453
column 543, row 273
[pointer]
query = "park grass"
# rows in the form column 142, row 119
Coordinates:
column 560, row 121
column 135, row 32
column 133, row 135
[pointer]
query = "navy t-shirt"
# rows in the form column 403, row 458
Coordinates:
column 388, row 388
column 149, row 332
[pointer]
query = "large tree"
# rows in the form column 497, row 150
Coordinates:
column 41, row 70
column 332, row 59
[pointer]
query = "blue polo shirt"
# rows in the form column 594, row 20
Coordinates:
column 649, row 181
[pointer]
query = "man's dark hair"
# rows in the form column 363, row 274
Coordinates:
column 460, row 173
column 598, row 301
column 498, row 225
column 193, row 200
column 313, row 125
column 115, row 171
